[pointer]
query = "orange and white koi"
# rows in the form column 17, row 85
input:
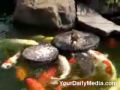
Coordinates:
column 21, row 72
column 102, row 61
column 33, row 84
column 10, row 62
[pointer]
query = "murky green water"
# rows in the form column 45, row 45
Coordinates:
column 8, row 80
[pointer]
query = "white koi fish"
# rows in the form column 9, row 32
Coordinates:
column 11, row 61
column 64, row 67
column 104, row 64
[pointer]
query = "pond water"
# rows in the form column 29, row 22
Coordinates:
column 8, row 80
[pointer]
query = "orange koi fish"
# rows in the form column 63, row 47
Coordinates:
column 21, row 72
column 45, row 77
column 10, row 62
column 33, row 84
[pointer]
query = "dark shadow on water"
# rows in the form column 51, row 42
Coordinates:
column 8, row 80
column 25, row 30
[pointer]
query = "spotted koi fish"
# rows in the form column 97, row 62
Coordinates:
column 10, row 62
column 101, row 61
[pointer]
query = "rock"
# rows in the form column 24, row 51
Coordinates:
column 75, row 40
column 44, row 53
column 46, row 13
column 94, row 20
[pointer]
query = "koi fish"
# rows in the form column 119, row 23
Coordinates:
column 102, row 61
column 33, row 84
column 21, row 72
column 10, row 62
column 65, row 68
column 45, row 77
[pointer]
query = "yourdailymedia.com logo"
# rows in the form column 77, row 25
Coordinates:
column 87, row 83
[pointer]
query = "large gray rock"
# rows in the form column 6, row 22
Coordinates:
column 91, row 18
column 46, row 13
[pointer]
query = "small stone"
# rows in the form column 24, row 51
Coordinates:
column 41, row 53
column 76, row 41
